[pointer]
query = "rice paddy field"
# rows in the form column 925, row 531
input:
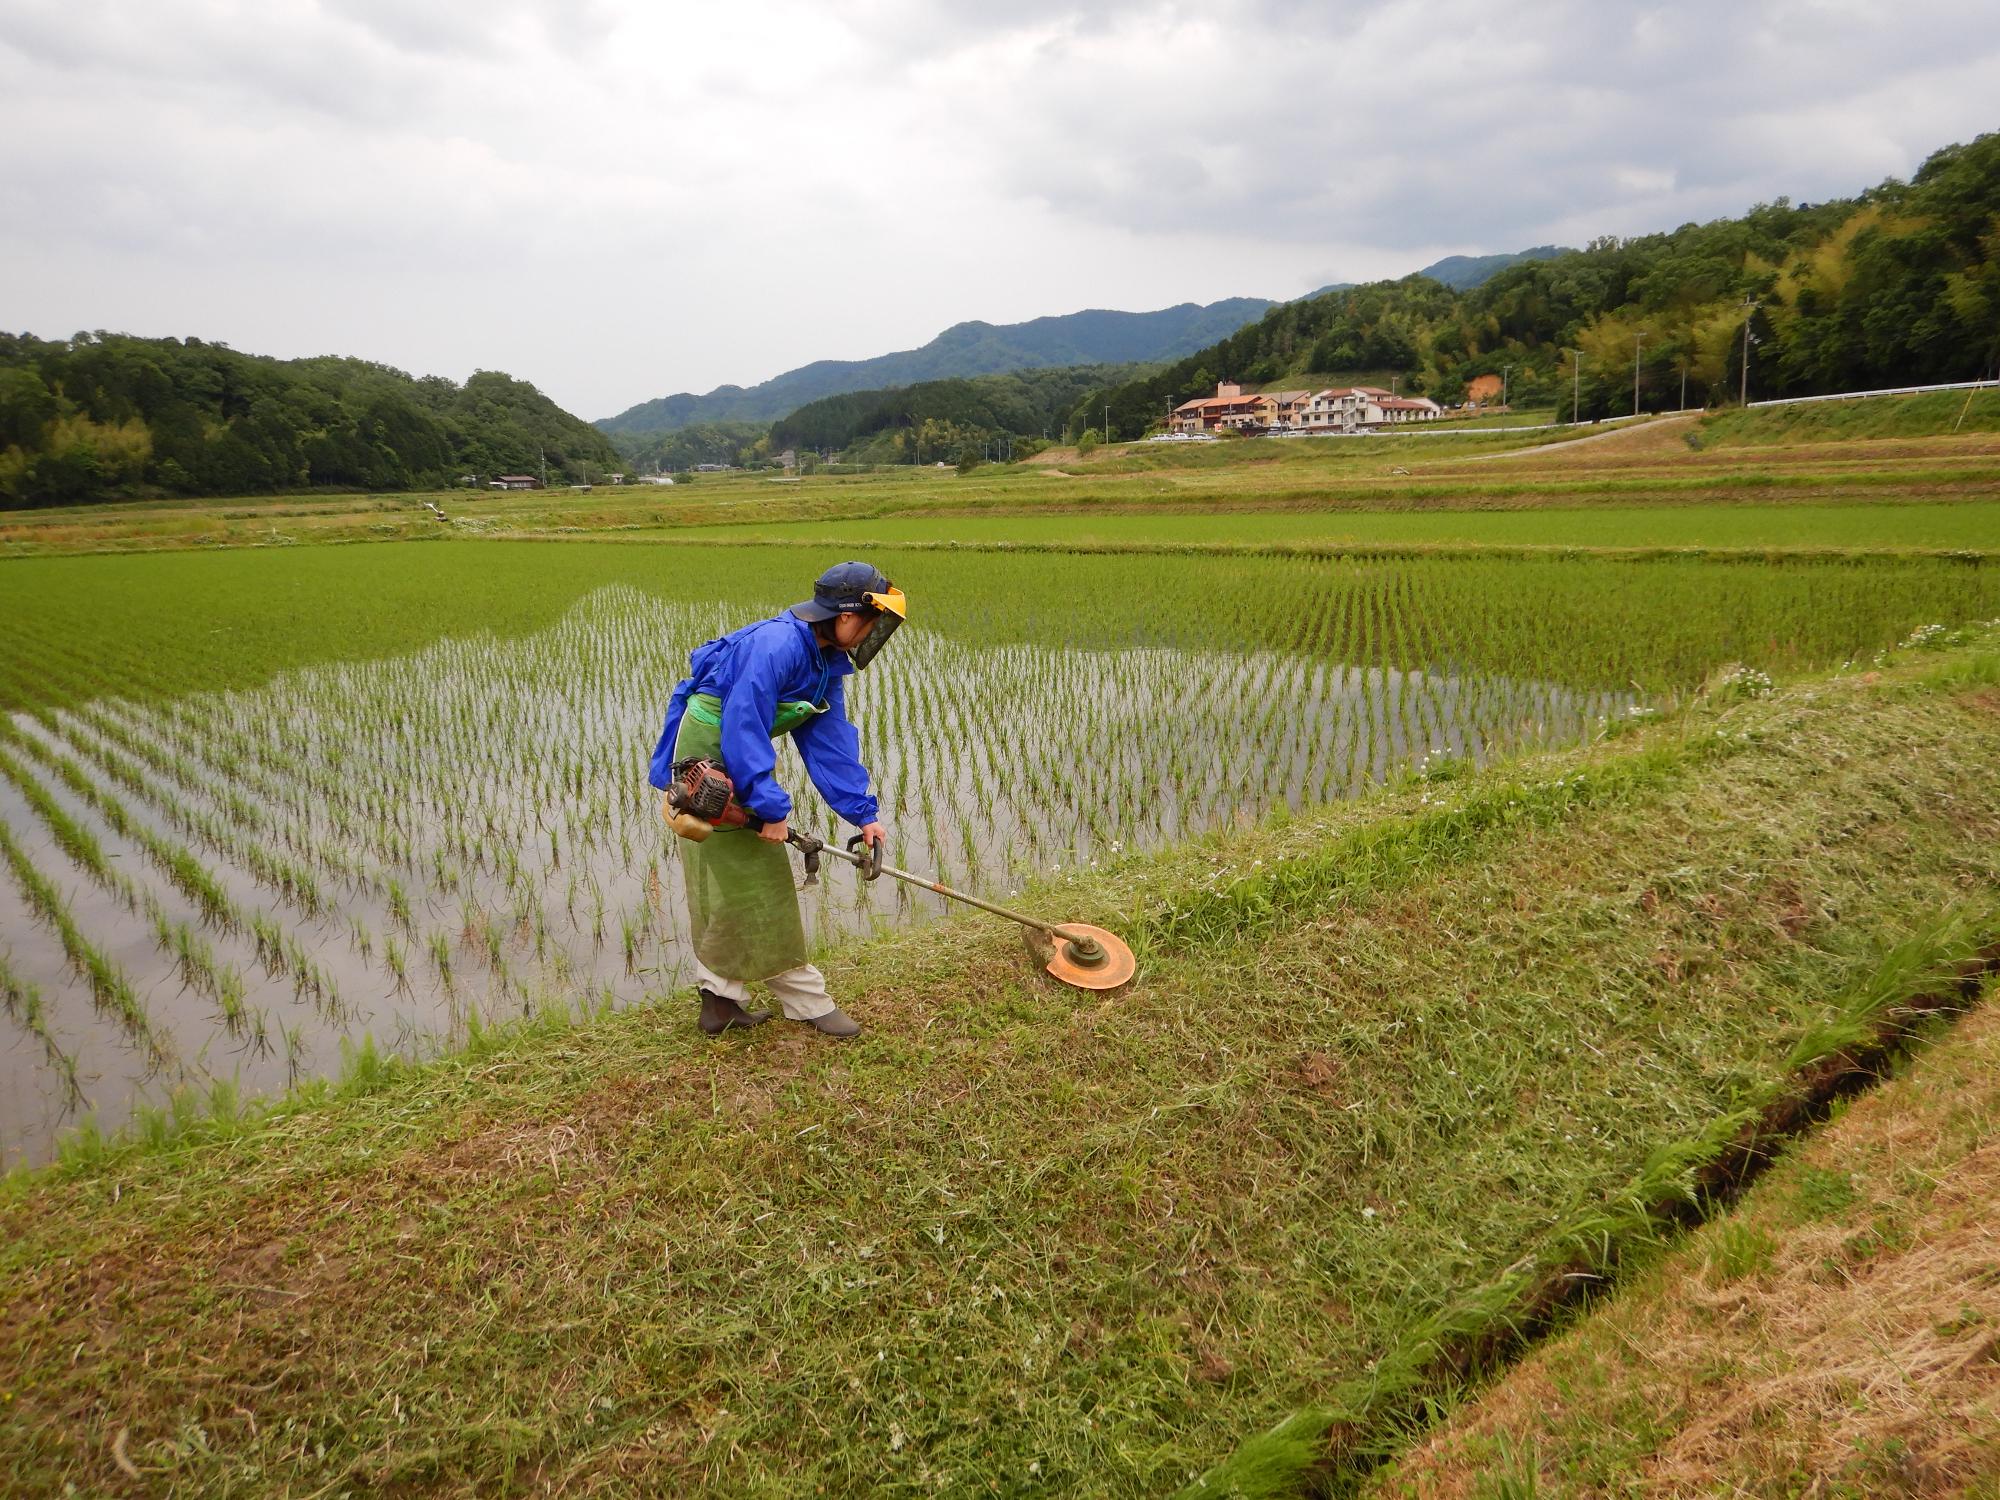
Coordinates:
column 1911, row 526
column 227, row 889
column 1496, row 870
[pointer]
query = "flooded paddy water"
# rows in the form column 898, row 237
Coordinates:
column 213, row 894
column 393, row 847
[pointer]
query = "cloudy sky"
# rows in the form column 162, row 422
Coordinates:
column 616, row 199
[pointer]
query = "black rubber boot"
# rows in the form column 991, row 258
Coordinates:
column 719, row 1013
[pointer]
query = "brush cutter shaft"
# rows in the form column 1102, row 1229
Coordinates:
column 811, row 845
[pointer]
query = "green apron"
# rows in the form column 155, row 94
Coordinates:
column 743, row 910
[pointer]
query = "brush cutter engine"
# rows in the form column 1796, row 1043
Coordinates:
column 702, row 798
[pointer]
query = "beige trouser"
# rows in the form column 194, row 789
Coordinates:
column 801, row 991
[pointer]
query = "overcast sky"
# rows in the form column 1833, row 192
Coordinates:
column 617, row 200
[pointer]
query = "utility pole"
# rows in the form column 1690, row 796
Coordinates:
column 1749, row 311
column 1107, row 421
column 1638, row 343
column 1504, row 369
column 1576, row 393
column 1684, row 384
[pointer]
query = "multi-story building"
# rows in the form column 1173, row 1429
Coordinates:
column 1338, row 409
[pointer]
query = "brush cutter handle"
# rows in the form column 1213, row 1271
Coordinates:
column 869, row 863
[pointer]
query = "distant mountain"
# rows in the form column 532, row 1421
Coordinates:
column 1461, row 272
column 1095, row 337
column 1464, row 272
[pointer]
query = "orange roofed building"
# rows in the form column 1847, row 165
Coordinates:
column 1341, row 409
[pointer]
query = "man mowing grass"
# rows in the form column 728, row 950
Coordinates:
column 776, row 677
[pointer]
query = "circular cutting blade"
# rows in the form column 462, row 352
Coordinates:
column 1117, row 966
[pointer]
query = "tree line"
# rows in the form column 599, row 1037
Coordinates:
column 1899, row 285
column 104, row 416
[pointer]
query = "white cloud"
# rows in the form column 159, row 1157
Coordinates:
column 617, row 200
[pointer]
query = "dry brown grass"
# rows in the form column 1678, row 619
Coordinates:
column 1838, row 1336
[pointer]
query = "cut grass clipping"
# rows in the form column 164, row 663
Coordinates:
column 1371, row 1418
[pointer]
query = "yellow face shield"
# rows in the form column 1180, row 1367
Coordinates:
column 891, row 609
column 890, row 602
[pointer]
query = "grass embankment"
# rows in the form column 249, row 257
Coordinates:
column 1839, row 1334
column 1015, row 1239
column 1940, row 412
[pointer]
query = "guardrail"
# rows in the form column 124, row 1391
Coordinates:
column 1894, row 390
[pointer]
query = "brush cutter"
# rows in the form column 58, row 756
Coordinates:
column 701, row 799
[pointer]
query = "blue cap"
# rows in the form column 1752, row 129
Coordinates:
column 838, row 591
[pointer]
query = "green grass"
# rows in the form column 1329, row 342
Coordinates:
column 1972, row 525
column 171, row 623
column 1878, row 417
column 1014, row 1240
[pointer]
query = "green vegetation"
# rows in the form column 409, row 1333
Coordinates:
column 1898, row 286
column 1878, row 417
column 1836, row 1330
column 943, row 419
column 81, row 628
column 1968, row 526
column 105, row 415
column 1501, row 841
column 1377, row 1056
column 739, row 444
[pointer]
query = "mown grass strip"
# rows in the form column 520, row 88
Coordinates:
column 1330, row 1448
column 1399, row 849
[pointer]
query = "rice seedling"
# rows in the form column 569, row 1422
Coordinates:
column 109, row 987
column 397, row 959
column 23, row 1001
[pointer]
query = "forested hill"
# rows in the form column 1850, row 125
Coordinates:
column 106, row 415
column 1899, row 285
column 943, row 419
column 1083, row 338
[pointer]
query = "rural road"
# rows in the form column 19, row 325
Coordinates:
column 1568, row 443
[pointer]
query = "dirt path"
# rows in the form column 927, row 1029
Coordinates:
column 1654, row 424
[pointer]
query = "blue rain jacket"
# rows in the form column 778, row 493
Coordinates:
column 752, row 671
